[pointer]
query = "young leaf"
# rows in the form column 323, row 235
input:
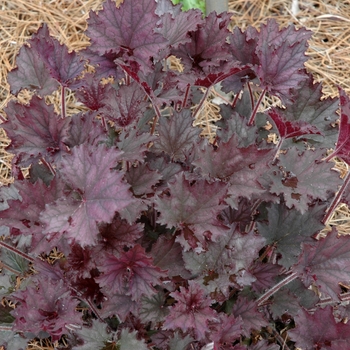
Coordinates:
column 131, row 274
column 96, row 194
column 325, row 264
column 191, row 312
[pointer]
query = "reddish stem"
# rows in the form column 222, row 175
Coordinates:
column 255, row 110
column 336, row 199
column 63, row 102
column 201, row 103
column 233, row 104
column 276, row 288
column 16, row 251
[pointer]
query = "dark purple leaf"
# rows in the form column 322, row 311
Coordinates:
column 175, row 25
column 167, row 255
column 127, row 32
column 265, row 275
column 304, row 178
column 117, row 235
column 62, row 65
column 31, row 73
column 246, row 309
column 35, row 130
column 125, row 106
column 312, row 332
column 311, row 106
column 24, row 214
column 134, row 145
column 281, row 56
column 191, row 312
column 85, row 128
column 240, row 167
column 47, row 306
column 177, row 136
column 193, row 207
column 287, row 229
column 94, row 198
column 342, row 148
column 208, row 48
column 288, row 129
column 325, row 264
column 131, row 274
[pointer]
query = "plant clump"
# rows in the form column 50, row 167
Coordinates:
column 131, row 230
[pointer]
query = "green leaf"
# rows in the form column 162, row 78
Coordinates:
column 128, row 340
column 94, row 337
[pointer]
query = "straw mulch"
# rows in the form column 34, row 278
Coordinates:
column 329, row 51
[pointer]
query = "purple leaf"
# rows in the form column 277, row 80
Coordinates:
column 287, row 229
column 176, row 25
column 191, row 312
column 177, row 136
column 246, row 309
column 117, row 235
column 31, row 73
column 128, row 340
column 124, row 106
column 47, row 306
column 288, row 129
column 281, row 56
column 24, row 214
column 208, row 47
column 325, row 264
column 96, row 194
column 303, row 178
column 62, row 65
column 127, row 32
column 131, row 274
column 311, row 332
column 312, row 107
column 342, row 149
column 240, row 167
column 167, row 255
column 193, row 208
column 35, row 130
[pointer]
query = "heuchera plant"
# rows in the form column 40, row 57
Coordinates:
column 132, row 231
